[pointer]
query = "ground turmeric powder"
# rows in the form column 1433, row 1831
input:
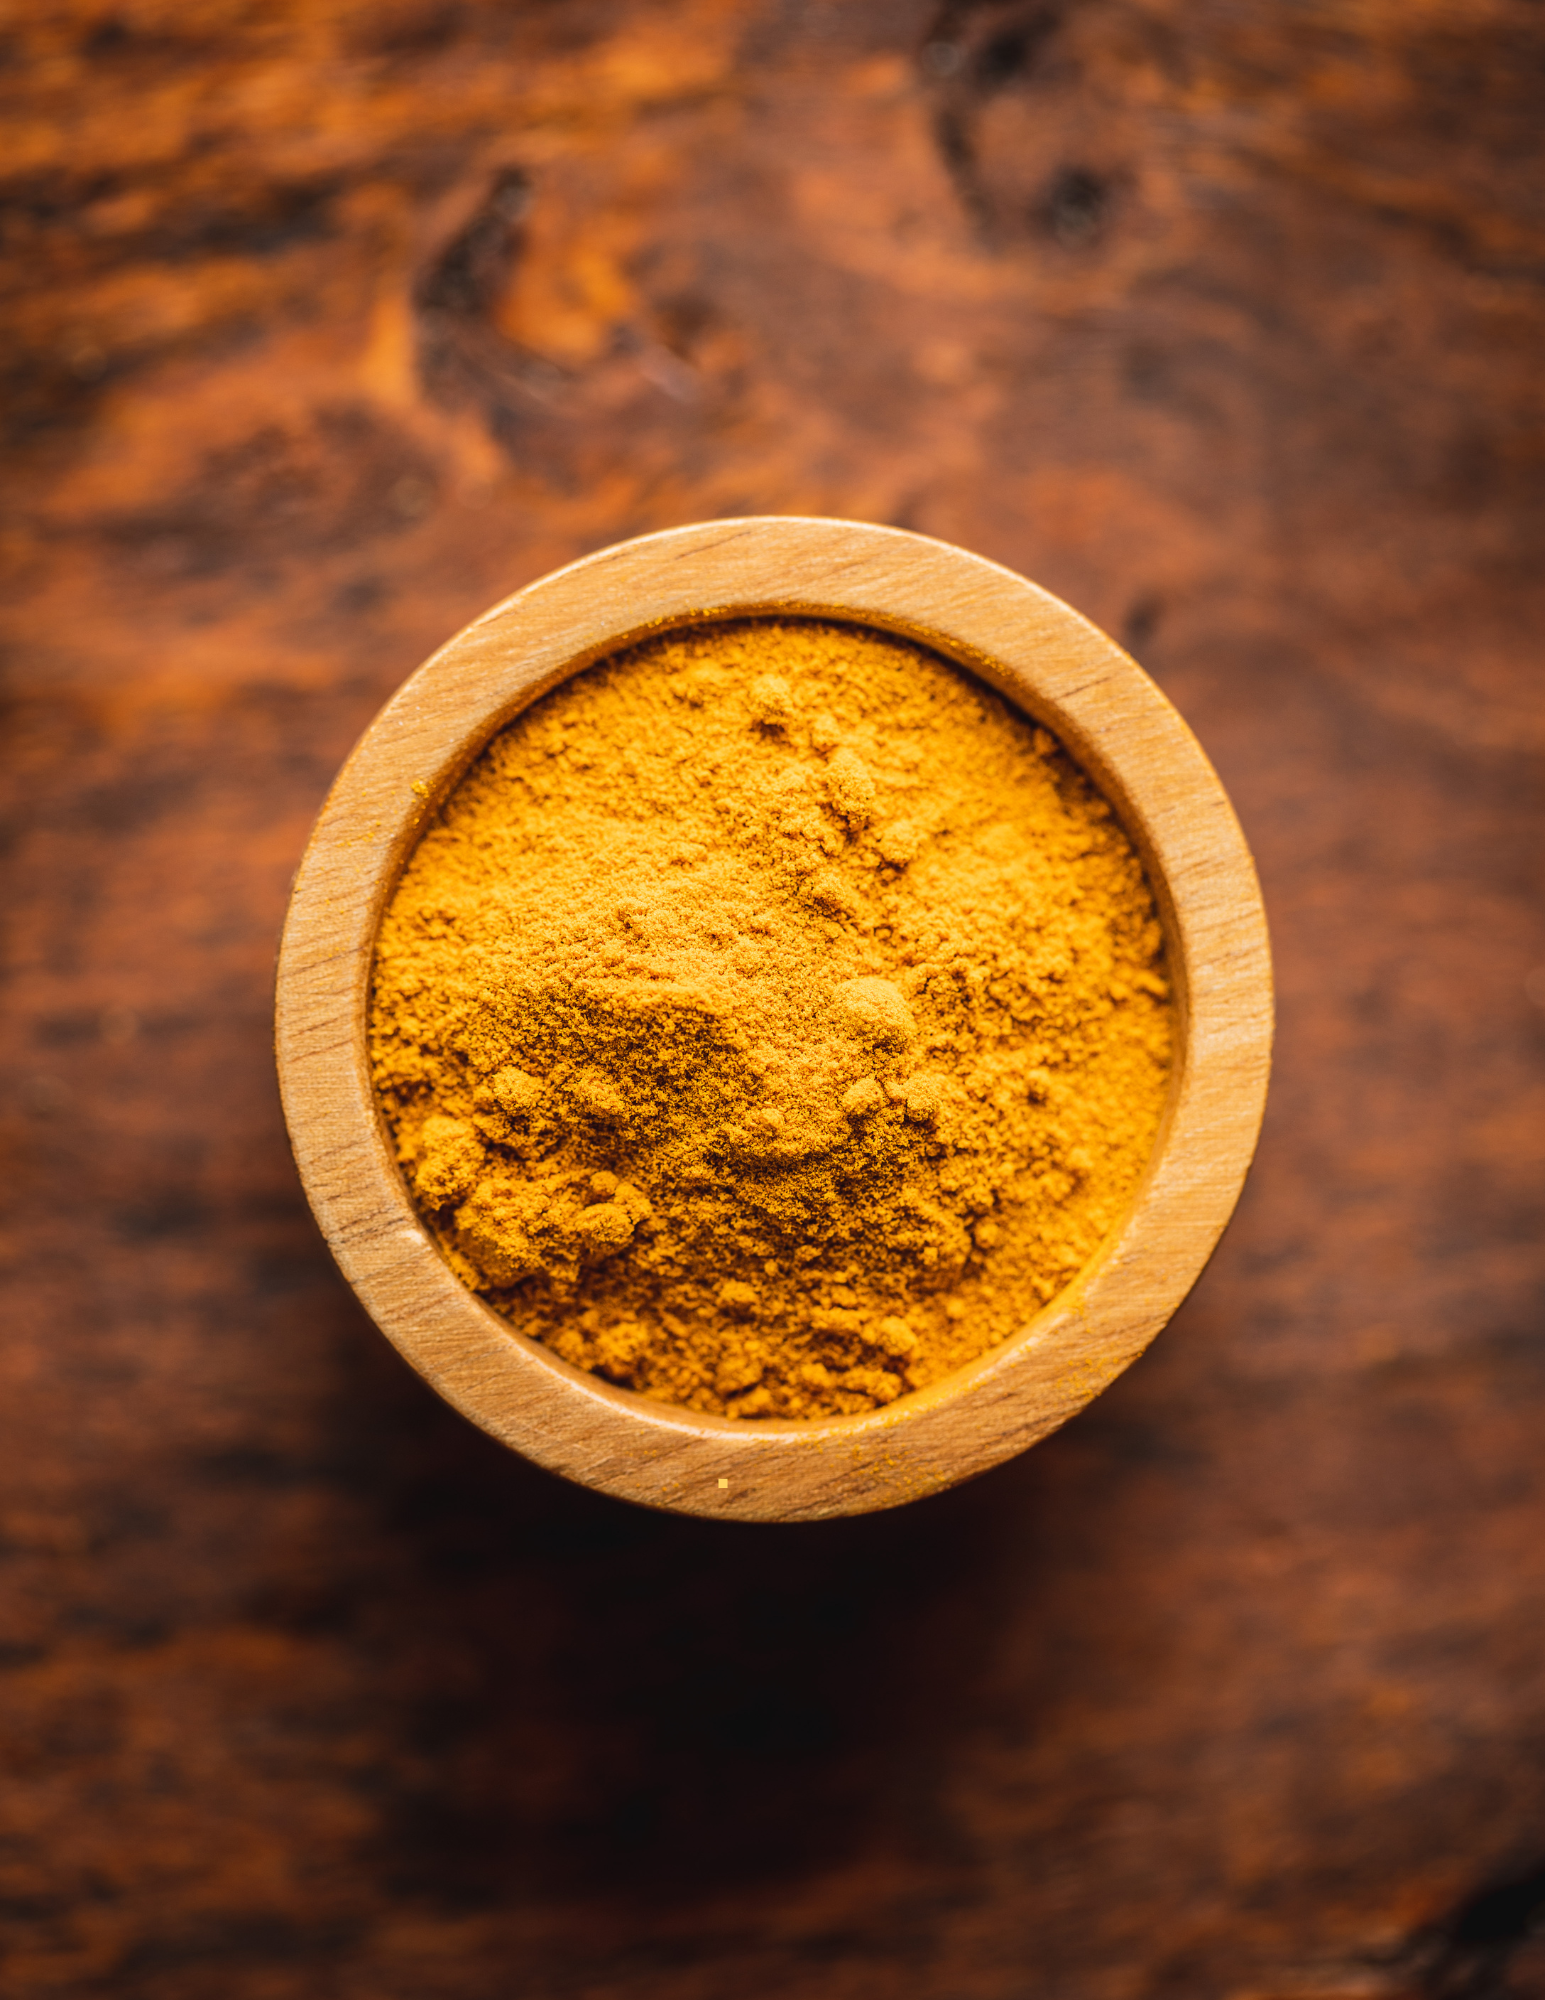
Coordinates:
column 772, row 1020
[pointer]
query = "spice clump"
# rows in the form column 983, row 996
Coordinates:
column 772, row 1020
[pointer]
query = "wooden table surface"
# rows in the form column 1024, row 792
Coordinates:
column 326, row 323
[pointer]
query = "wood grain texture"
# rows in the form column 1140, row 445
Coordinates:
column 1060, row 670
column 326, row 322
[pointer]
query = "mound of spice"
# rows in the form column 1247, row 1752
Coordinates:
column 772, row 1020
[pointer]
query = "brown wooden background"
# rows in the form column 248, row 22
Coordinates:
column 326, row 323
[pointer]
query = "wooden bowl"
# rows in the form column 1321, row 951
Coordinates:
column 1057, row 668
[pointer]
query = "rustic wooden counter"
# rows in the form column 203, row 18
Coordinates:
column 327, row 324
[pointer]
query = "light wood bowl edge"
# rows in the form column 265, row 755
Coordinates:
column 1056, row 667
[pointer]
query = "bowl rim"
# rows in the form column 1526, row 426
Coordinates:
column 1058, row 669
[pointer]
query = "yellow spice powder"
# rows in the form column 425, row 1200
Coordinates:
column 772, row 1020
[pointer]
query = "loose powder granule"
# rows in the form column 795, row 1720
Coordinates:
column 772, row 1020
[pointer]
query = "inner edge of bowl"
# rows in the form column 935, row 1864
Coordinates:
column 630, row 1445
